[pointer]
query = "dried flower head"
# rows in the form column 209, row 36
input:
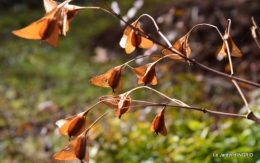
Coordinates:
column 112, row 78
column 181, row 46
column 72, row 126
column 158, row 125
column 146, row 74
column 76, row 149
column 131, row 39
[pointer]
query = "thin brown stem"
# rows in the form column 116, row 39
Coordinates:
column 242, row 95
column 225, row 75
column 171, row 99
column 225, row 38
column 87, row 130
column 190, row 108
column 92, row 107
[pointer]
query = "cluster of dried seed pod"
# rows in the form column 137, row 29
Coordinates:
column 56, row 22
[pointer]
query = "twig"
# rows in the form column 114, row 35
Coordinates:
column 242, row 95
column 87, row 130
column 226, row 75
column 189, row 108
column 173, row 100
column 225, row 38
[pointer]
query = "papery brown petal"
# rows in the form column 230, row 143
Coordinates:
column 64, row 15
column 140, row 71
column 143, row 42
column 122, row 111
column 50, row 5
column 77, row 126
column 182, row 46
column 46, row 29
column 81, row 150
column 110, row 101
column 102, row 80
column 123, row 105
column 234, row 51
column 149, row 77
column 72, row 126
column 63, row 125
column 123, row 42
column 76, row 149
column 63, row 23
column 68, row 153
column 175, row 57
column 133, row 40
column 112, row 78
column 158, row 125
column 50, row 32
column 146, row 74
column 31, row 31
column 115, row 80
column 223, row 50
column 128, row 29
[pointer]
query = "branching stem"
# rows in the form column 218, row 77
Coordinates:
column 177, row 52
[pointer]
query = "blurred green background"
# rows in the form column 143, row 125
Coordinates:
column 40, row 84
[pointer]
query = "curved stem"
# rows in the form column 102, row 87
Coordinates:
column 157, row 28
column 92, row 107
column 191, row 108
column 173, row 100
column 99, row 8
column 142, row 56
column 87, row 130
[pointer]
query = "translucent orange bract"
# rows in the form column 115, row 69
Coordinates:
column 54, row 23
column 77, row 149
column 123, row 105
column 181, row 46
column 234, row 51
column 72, row 126
column 131, row 40
column 146, row 74
column 158, row 125
column 112, row 78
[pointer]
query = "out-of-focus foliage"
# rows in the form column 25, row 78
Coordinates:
column 40, row 84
